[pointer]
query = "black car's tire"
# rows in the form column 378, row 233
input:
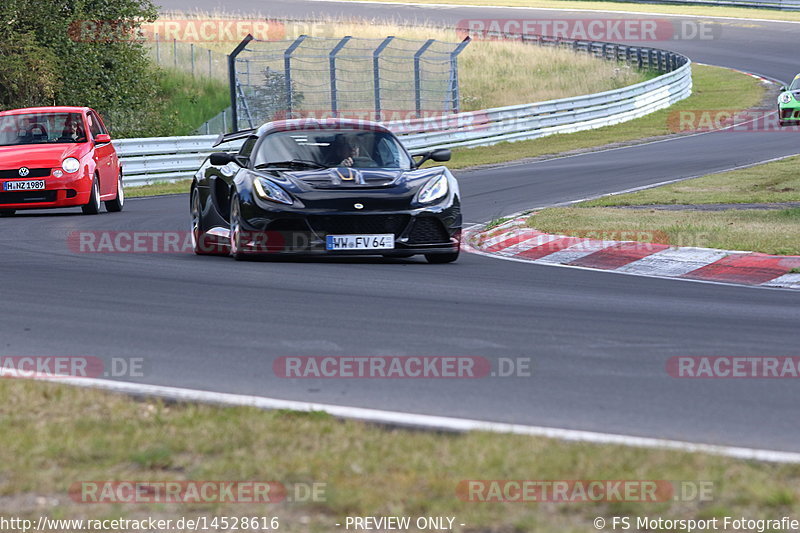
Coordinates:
column 198, row 233
column 116, row 205
column 93, row 206
column 236, row 250
column 437, row 259
column 7, row 212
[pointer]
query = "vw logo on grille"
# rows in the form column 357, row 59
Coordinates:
column 24, row 171
column 359, row 206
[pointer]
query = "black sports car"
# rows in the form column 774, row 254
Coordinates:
column 334, row 187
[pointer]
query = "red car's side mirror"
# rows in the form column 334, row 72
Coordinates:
column 103, row 138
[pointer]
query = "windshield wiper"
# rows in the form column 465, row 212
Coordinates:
column 293, row 162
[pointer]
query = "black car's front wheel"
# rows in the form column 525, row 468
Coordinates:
column 438, row 259
column 236, row 242
column 198, row 234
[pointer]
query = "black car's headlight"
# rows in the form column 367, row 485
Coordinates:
column 785, row 98
column 435, row 189
column 267, row 190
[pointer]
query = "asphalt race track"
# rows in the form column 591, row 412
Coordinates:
column 599, row 341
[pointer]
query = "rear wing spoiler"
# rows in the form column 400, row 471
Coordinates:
column 228, row 137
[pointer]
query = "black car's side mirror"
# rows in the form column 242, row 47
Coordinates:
column 223, row 158
column 783, row 88
column 440, row 155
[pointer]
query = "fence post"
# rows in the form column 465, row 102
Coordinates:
column 225, row 120
column 418, row 74
column 455, row 96
column 191, row 49
column 158, row 51
column 376, row 74
column 175, row 52
column 332, row 68
column 232, row 81
column 287, row 72
column 209, row 63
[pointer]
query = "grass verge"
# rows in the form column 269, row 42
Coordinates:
column 181, row 104
column 713, row 88
column 771, row 182
column 491, row 73
column 769, row 231
column 54, row 436
column 158, row 189
column 700, row 11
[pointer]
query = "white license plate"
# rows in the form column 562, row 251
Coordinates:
column 382, row 241
column 33, row 185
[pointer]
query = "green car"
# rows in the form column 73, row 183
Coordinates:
column 789, row 103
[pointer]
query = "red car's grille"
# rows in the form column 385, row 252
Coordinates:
column 33, row 173
column 27, row 197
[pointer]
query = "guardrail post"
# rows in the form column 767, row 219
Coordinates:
column 418, row 74
column 376, row 74
column 455, row 96
column 287, row 72
column 332, row 67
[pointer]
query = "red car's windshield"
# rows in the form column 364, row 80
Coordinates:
column 42, row 128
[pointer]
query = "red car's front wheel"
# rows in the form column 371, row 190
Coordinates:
column 93, row 206
column 116, row 205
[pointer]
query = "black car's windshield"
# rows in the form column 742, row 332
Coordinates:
column 340, row 148
column 41, row 128
column 795, row 86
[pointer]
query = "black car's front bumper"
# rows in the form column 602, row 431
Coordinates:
column 432, row 230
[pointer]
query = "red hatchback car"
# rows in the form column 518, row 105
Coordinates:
column 57, row 157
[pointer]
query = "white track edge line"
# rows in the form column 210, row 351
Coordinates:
column 423, row 421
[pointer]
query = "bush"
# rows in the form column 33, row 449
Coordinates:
column 62, row 69
column 27, row 73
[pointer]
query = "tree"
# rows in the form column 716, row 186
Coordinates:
column 109, row 73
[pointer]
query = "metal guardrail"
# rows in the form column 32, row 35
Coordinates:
column 152, row 160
